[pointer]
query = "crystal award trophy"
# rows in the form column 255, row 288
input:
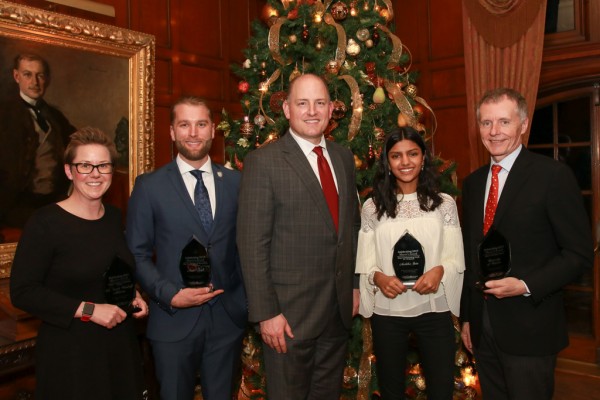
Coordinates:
column 494, row 257
column 195, row 265
column 408, row 259
column 119, row 286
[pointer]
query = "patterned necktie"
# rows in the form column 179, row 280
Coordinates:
column 492, row 200
column 42, row 123
column 202, row 201
column 328, row 185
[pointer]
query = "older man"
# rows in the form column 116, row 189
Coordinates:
column 516, row 325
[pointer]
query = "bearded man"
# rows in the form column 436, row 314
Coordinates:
column 190, row 203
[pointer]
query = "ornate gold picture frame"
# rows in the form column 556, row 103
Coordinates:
column 89, row 47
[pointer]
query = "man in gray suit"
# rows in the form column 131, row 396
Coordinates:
column 298, row 222
column 190, row 329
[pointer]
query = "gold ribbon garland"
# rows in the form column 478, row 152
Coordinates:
column 274, row 41
column 265, row 87
column 365, row 366
column 394, row 59
column 405, row 107
column 422, row 101
column 357, row 106
column 401, row 102
column 340, row 51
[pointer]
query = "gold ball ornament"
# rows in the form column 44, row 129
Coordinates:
column 352, row 48
column 369, row 43
column 363, row 34
column 246, row 128
column 411, row 90
column 333, row 67
column 339, row 109
column 339, row 11
column 293, row 38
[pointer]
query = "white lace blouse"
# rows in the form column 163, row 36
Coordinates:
column 438, row 232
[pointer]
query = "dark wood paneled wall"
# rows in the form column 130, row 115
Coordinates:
column 432, row 31
column 197, row 40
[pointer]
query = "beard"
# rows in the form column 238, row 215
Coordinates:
column 194, row 155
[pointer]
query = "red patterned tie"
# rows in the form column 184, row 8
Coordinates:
column 328, row 185
column 492, row 200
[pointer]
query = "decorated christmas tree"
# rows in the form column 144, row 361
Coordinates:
column 351, row 44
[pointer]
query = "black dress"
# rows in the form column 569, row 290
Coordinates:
column 59, row 262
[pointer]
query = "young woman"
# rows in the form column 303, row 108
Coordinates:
column 86, row 348
column 406, row 200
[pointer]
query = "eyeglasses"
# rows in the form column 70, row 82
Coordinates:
column 87, row 168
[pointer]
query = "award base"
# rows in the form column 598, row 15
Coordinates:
column 409, row 285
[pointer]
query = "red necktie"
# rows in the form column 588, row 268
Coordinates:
column 492, row 200
column 328, row 185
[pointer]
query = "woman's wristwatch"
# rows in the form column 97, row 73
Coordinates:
column 88, row 310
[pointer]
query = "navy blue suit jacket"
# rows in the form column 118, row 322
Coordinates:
column 161, row 220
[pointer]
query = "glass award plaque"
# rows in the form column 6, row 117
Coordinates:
column 408, row 259
column 494, row 257
column 195, row 265
column 119, row 286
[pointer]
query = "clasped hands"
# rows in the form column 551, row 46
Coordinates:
column 391, row 286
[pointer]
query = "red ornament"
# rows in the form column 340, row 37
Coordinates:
column 293, row 14
column 243, row 87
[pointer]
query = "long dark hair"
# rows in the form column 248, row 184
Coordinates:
column 385, row 186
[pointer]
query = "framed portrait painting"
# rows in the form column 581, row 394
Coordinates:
column 95, row 75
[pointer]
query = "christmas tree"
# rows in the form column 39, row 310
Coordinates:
column 351, row 44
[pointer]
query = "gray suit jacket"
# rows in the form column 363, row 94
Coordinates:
column 293, row 260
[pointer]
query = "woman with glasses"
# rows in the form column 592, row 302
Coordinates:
column 410, row 260
column 86, row 348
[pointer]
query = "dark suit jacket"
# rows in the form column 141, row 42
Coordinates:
column 541, row 213
column 161, row 220
column 18, row 144
column 293, row 260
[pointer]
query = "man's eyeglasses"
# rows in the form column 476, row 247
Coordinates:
column 87, row 168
